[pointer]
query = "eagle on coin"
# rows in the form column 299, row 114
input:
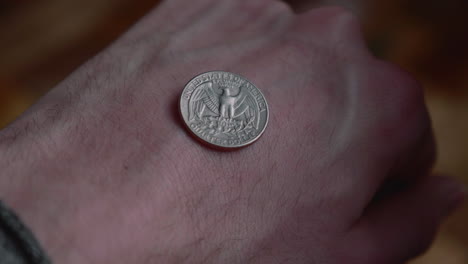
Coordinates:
column 214, row 100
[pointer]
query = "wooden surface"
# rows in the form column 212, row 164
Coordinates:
column 43, row 41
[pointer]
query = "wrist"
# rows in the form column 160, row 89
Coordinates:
column 82, row 219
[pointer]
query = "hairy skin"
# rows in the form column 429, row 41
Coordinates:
column 103, row 171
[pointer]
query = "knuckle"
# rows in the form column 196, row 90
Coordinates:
column 281, row 6
column 339, row 14
column 404, row 85
column 402, row 94
column 336, row 26
column 394, row 104
column 335, row 19
column 260, row 7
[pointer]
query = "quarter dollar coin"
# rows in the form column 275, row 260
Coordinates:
column 224, row 109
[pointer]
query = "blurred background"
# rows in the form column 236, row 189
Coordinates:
column 42, row 41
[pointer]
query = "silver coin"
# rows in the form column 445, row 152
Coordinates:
column 224, row 109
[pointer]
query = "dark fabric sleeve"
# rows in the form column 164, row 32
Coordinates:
column 17, row 244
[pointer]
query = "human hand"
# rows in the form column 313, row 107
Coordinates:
column 103, row 171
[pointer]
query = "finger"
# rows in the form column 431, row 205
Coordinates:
column 403, row 124
column 210, row 20
column 403, row 226
column 177, row 12
column 333, row 27
column 410, row 167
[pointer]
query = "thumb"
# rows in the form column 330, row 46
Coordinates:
column 404, row 225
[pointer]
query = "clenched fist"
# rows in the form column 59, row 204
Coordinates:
column 103, row 171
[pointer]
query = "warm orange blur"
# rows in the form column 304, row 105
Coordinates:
column 42, row 41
